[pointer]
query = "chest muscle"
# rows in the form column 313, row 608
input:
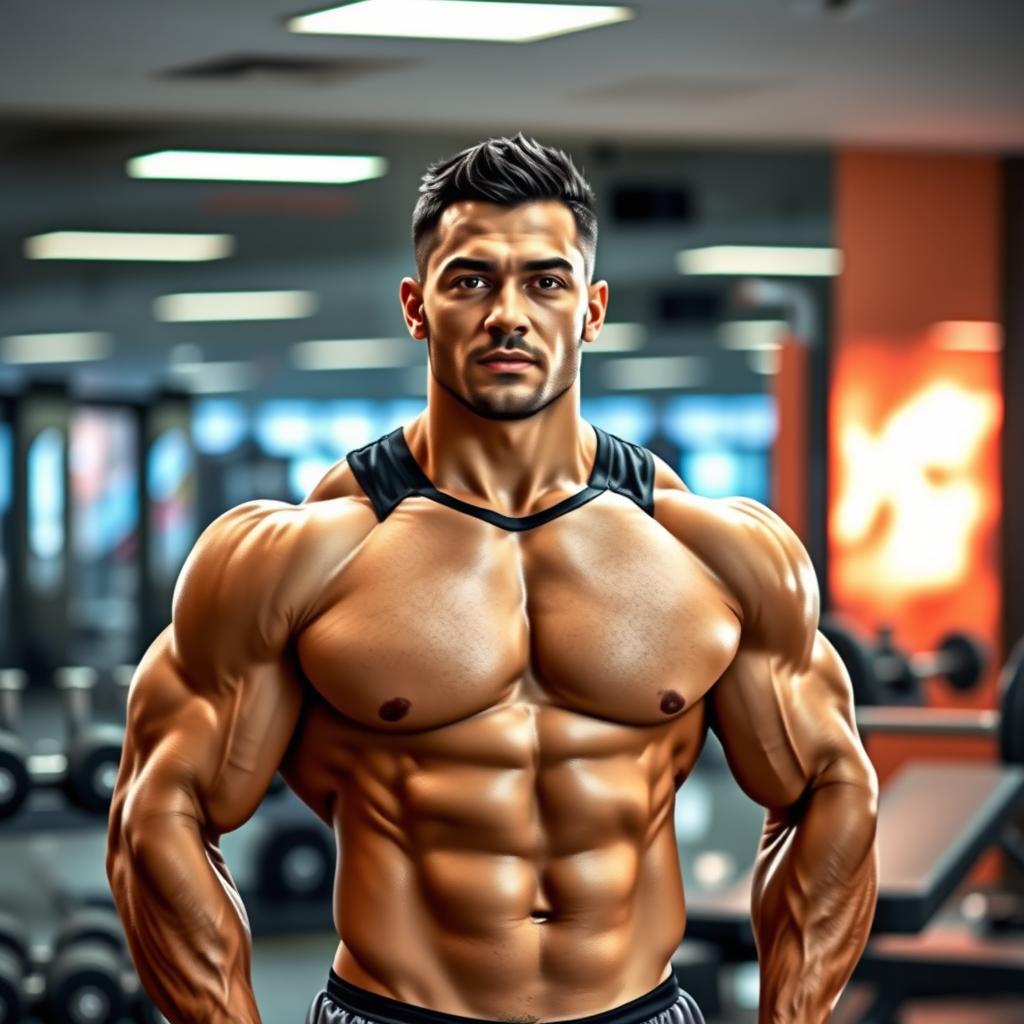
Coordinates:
column 442, row 616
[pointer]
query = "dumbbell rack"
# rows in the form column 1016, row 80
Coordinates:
column 37, row 893
column 83, row 975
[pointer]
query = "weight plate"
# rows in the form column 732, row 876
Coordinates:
column 964, row 658
column 83, row 986
column 93, row 761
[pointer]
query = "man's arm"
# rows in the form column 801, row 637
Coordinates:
column 211, row 709
column 784, row 713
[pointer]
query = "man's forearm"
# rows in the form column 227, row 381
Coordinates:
column 184, row 921
column 815, row 885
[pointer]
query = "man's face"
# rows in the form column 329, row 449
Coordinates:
column 504, row 306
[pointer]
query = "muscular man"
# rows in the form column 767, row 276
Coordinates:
column 486, row 651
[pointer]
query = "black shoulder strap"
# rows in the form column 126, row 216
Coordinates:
column 384, row 472
column 625, row 468
column 388, row 474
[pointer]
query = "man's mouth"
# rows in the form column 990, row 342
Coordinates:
column 507, row 358
column 508, row 363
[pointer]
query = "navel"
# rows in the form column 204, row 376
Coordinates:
column 671, row 702
column 394, row 709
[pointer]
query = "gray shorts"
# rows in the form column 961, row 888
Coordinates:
column 344, row 1003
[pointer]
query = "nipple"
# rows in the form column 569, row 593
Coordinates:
column 394, row 709
column 671, row 702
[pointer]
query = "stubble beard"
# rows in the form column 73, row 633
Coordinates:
column 504, row 405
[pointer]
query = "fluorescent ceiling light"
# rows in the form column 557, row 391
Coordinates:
column 128, row 245
column 213, row 378
column 195, row 165
column 645, row 372
column 490, row 20
column 353, row 353
column 618, row 338
column 763, row 260
column 211, row 306
column 753, row 335
column 65, row 347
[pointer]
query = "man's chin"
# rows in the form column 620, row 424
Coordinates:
column 509, row 409
column 502, row 405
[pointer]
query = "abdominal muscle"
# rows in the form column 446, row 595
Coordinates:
column 518, row 866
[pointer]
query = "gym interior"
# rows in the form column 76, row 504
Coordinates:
column 812, row 224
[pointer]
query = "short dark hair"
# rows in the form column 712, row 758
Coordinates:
column 506, row 172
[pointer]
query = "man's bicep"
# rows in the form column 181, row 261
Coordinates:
column 784, row 726
column 214, row 701
column 200, row 748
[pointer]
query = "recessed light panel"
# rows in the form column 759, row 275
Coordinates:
column 761, row 261
column 128, row 245
column 480, row 20
column 197, row 165
column 63, row 347
column 207, row 307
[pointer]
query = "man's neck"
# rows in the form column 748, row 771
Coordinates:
column 511, row 466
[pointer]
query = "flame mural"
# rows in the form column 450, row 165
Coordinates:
column 915, row 486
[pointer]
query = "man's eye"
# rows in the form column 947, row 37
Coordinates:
column 548, row 284
column 471, row 283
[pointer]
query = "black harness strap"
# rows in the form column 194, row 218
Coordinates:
column 388, row 473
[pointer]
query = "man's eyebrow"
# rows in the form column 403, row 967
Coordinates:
column 487, row 267
column 554, row 263
column 464, row 263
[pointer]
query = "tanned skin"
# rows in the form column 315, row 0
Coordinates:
column 494, row 723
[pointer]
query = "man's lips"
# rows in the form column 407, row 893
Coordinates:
column 508, row 357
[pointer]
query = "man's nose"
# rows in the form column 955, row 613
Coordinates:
column 507, row 314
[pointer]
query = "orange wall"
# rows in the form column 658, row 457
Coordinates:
column 915, row 409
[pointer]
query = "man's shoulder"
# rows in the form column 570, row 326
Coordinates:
column 264, row 546
column 257, row 573
column 757, row 557
column 264, row 528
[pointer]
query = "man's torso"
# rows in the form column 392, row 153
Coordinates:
column 496, row 725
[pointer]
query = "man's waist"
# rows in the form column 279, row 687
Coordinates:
column 378, row 1009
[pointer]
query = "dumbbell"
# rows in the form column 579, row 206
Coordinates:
column 961, row 659
column 93, row 749
column 14, row 772
column 87, row 769
column 1006, row 724
column 85, row 980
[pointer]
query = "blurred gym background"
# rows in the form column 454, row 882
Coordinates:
column 812, row 222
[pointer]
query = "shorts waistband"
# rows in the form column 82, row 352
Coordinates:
column 384, row 1010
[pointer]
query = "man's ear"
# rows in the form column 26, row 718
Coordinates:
column 597, row 307
column 410, row 295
